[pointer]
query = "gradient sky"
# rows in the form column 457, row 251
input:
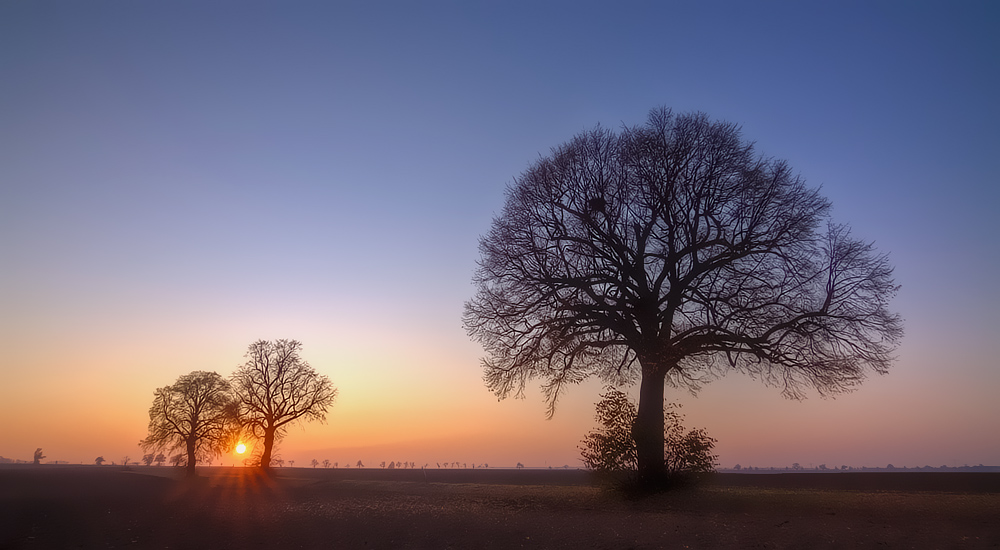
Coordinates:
column 179, row 179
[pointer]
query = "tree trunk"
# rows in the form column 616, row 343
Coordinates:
column 265, row 457
column 648, row 429
column 191, row 460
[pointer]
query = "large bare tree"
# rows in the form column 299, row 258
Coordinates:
column 197, row 414
column 276, row 387
column 671, row 253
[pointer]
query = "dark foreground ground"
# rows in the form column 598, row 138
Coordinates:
column 148, row 507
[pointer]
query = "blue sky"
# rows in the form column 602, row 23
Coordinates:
column 180, row 179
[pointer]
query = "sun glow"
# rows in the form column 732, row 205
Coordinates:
column 241, row 448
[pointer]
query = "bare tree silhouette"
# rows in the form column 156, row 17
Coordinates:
column 147, row 459
column 326, row 463
column 99, row 460
column 160, row 459
column 314, row 463
column 672, row 253
column 197, row 414
column 275, row 388
column 38, row 456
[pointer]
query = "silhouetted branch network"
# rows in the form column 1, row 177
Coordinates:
column 671, row 253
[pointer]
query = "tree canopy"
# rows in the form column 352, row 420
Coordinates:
column 672, row 253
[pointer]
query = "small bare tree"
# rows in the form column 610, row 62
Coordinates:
column 275, row 388
column 196, row 414
column 672, row 253
column 38, row 456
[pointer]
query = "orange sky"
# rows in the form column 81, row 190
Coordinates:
column 423, row 401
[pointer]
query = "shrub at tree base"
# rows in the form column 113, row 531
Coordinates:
column 610, row 451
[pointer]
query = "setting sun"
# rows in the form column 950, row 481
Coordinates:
column 241, row 448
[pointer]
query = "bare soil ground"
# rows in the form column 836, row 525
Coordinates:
column 148, row 507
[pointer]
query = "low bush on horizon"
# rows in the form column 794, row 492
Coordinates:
column 610, row 451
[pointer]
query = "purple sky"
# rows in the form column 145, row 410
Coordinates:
column 180, row 179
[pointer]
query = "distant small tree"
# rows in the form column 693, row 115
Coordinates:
column 612, row 448
column 326, row 463
column 279, row 462
column 178, row 460
column 38, row 456
column 160, row 459
column 291, row 463
column 99, row 460
column 196, row 414
column 360, row 465
column 147, row 459
column 737, row 467
column 314, row 463
column 276, row 388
